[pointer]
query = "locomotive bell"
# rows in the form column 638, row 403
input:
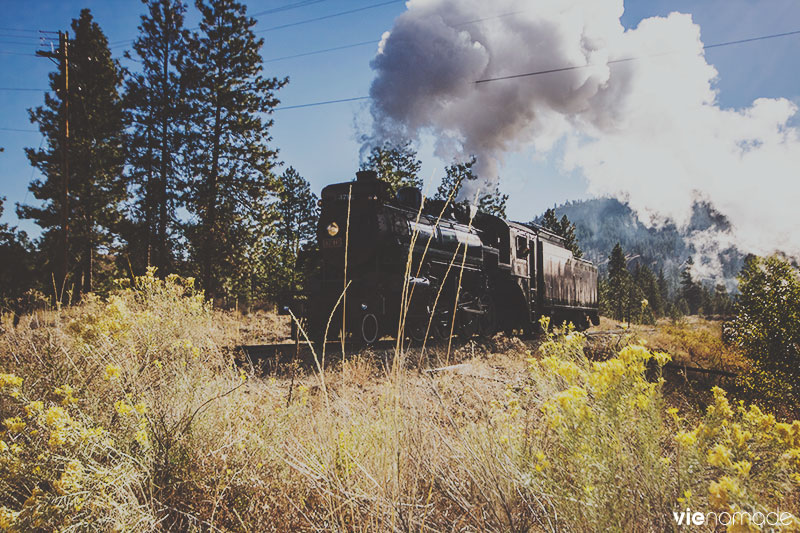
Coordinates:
column 333, row 229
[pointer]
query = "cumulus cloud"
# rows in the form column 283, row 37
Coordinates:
column 639, row 117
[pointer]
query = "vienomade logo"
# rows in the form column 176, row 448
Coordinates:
column 695, row 518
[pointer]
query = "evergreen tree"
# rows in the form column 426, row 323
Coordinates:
column 229, row 159
column 16, row 268
column 156, row 103
column 691, row 291
column 766, row 328
column 95, row 157
column 395, row 163
column 563, row 228
column 722, row 303
column 456, row 175
column 618, row 284
column 298, row 219
column 663, row 291
column 647, row 282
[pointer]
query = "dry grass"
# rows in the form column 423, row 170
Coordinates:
column 161, row 431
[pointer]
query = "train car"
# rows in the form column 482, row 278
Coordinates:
column 391, row 264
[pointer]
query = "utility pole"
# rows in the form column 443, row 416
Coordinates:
column 62, row 56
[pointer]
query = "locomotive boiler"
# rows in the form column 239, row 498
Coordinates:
column 391, row 264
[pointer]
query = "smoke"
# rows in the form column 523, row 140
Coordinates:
column 639, row 119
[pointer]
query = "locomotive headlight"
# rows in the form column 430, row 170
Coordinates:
column 333, row 229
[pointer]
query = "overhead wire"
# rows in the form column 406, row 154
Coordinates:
column 326, row 102
column 326, row 17
column 636, row 58
column 287, row 7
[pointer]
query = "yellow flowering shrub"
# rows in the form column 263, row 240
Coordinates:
column 737, row 456
column 57, row 468
column 601, row 428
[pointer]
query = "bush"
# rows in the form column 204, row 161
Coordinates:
column 766, row 329
column 126, row 414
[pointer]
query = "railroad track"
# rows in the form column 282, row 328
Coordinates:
column 271, row 358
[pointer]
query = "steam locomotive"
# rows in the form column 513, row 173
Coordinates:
column 391, row 264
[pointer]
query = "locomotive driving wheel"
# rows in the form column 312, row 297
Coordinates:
column 416, row 329
column 369, row 330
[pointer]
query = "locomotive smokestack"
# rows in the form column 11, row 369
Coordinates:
column 366, row 175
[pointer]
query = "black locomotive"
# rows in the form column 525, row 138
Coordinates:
column 391, row 264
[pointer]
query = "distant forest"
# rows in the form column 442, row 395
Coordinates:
column 646, row 264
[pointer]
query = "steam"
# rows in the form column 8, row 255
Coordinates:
column 639, row 119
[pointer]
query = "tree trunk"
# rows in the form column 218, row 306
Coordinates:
column 211, row 208
column 163, row 259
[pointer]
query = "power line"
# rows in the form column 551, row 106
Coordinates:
column 325, row 17
column 25, row 30
column 363, row 43
column 763, row 37
column 5, row 52
column 304, row 3
column 19, row 130
column 2, row 41
column 326, row 102
column 623, row 60
column 34, row 37
column 324, row 50
column 22, row 89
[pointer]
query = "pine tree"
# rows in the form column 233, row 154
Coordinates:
column 691, row 292
column 396, row 164
column 459, row 174
column 95, row 156
column 156, row 102
column 232, row 186
column 618, row 284
column 563, row 228
column 298, row 218
column 16, row 268
column 647, row 282
column 722, row 303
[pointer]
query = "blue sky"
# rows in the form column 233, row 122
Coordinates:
column 321, row 141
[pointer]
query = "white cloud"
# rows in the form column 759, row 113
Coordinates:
column 649, row 129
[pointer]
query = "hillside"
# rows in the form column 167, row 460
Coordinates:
column 602, row 222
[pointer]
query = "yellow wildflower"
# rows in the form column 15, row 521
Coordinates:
column 112, row 372
column 7, row 518
column 71, row 478
column 56, row 417
column 122, row 407
column 141, row 438
column 14, row 424
column 141, row 408
column 34, row 408
column 719, row 492
column 66, row 393
column 686, row 438
column 10, row 381
column 719, row 456
column 743, row 468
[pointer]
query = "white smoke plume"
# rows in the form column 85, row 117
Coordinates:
column 640, row 119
